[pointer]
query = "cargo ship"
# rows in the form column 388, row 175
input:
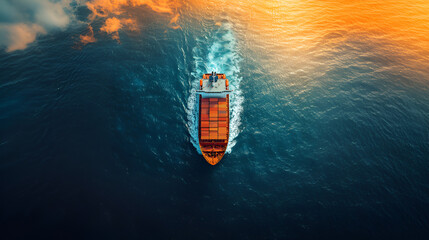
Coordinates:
column 213, row 128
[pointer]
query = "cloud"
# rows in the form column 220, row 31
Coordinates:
column 89, row 38
column 104, row 8
column 117, row 16
column 173, row 21
column 18, row 36
column 21, row 21
column 112, row 26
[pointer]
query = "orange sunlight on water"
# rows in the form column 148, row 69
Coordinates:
column 300, row 33
column 300, row 20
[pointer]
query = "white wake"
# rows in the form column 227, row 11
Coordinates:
column 222, row 57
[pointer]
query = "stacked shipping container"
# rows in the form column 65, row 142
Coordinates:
column 214, row 119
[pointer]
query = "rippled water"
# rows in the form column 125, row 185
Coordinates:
column 330, row 126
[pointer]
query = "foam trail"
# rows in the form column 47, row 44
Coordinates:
column 222, row 57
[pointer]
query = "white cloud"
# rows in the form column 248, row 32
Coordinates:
column 18, row 36
column 21, row 21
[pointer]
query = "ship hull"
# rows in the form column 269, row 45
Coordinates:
column 213, row 132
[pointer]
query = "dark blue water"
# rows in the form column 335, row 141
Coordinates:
column 99, row 142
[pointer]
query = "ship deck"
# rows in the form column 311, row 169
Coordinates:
column 218, row 86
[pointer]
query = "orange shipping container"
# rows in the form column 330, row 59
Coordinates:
column 205, row 124
column 222, row 136
column 222, row 124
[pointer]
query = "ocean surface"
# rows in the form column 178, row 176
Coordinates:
column 329, row 125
